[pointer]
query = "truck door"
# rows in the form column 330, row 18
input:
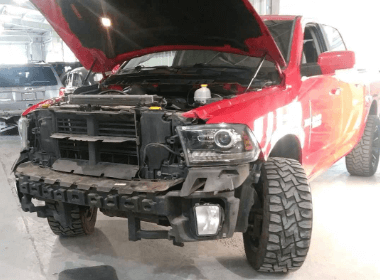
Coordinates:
column 325, row 104
column 351, row 86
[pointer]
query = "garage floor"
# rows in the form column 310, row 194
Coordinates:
column 345, row 242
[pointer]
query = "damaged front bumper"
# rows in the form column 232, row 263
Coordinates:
column 164, row 202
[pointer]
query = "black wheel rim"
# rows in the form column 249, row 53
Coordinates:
column 375, row 147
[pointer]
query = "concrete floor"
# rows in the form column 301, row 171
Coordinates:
column 344, row 242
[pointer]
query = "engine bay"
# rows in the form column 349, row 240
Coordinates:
column 169, row 97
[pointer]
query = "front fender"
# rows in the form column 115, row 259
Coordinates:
column 274, row 126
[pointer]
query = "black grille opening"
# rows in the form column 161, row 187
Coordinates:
column 124, row 128
column 109, row 125
column 73, row 149
column 124, row 153
column 73, row 126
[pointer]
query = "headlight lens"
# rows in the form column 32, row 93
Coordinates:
column 23, row 124
column 218, row 144
column 224, row 138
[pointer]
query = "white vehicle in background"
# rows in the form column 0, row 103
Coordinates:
column 79, row 77
column 22, row 86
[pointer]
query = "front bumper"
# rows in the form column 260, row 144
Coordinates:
column 158, row 201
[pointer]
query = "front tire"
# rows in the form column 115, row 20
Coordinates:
column 83, row 221
column 280, row 222
column 364, row 158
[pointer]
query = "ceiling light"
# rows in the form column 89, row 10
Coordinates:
column 106, row 21
column 1, row 28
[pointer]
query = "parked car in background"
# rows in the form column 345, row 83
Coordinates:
column 77, row 78
column 64, row 67
column 22, row 86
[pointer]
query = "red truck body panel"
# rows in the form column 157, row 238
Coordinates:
column 326, row 114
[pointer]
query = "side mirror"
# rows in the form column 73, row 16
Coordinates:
column 331, row 61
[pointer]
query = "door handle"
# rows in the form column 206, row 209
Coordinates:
column 335, row 91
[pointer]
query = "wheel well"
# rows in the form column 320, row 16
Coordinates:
column 287, row 147
column 373, row 110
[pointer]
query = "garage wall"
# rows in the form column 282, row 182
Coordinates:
column 266, row 7
column 37, row 49
column 57, row 50
column 358, row 24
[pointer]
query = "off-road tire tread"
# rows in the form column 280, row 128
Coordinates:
column 359, row 160
column 77, row 228
column 287, row 217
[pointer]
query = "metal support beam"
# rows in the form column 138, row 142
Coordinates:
column 26, row 5
column 27, row 24
column 8, row 39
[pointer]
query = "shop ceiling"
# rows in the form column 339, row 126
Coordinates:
column 21, row 22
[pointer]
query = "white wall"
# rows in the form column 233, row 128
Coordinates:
column 56, row 51
column 358, row 22
column 35, row 50
column 13, row 53
column 265, row 7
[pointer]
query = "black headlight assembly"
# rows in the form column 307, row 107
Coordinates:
column 218, row 144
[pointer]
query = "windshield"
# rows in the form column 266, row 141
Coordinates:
column 191, row 58
column 21, row 76
column 74, row 80
column 281, row 31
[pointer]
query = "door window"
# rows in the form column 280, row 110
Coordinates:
column 313, row 46
column 74, row 80
column 333, row 38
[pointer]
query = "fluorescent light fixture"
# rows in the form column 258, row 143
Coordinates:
column 106, row 22
column 1, row 28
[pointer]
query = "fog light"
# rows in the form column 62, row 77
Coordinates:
column 208, row 218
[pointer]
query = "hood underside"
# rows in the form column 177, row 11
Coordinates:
column 148, row 26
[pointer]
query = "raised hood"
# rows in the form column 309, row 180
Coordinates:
column 145, row 26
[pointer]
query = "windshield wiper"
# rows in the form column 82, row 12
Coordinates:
column 210, row 66
column 149, row 68
column 140, row 67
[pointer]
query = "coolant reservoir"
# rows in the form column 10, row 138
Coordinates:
column 202, row 94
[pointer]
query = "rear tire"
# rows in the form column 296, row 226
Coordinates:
column 279, row 232
column 83, row 221
column 364, row 158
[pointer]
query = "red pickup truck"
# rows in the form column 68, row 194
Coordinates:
column 214, row 123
